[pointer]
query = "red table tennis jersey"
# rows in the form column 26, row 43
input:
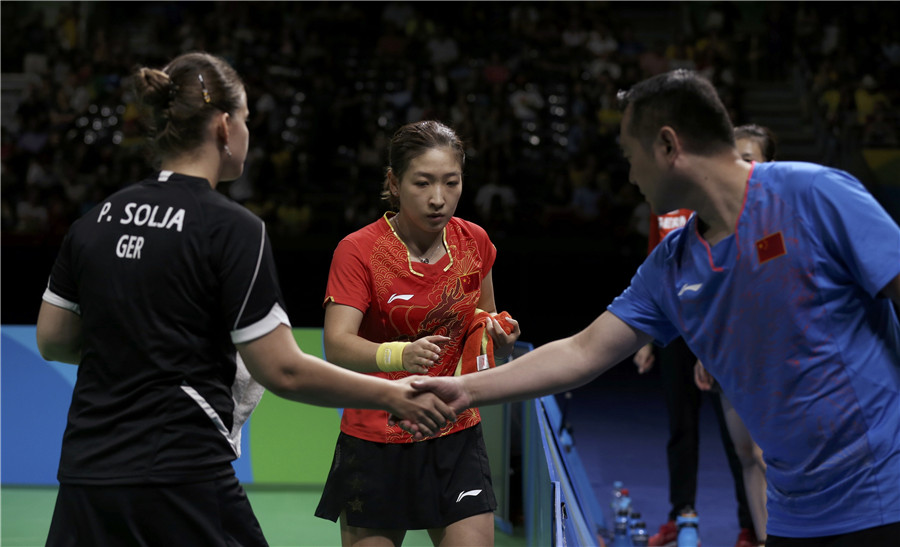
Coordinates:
column 403, row 300
column 662, row 225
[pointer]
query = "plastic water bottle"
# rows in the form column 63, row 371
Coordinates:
column 620, row 531
column 624, row 501
column 620, row 499
column 640, row 537
column 616, row 496
column 633, row 518
column 688, row 524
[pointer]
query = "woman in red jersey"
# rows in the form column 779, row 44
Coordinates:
column 404, row 295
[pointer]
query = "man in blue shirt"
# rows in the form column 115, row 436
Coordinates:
column 782, row 283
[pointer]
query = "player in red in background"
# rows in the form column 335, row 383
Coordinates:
column 755, row 144
column 412, row 293
column 683, row 399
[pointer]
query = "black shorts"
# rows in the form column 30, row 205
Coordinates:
column 409, row 486
column 214, row 513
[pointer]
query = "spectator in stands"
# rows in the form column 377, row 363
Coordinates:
column 31, row 213
column 654, row 60
column 630, row 45
column 88, row 73
column 495, row 202
column 880, row 131
column 443, row 48
column 600, row 41
column 867, row 98
column 526, row 100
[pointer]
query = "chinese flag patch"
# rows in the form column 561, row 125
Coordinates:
column 769, row 247
column 470, row 282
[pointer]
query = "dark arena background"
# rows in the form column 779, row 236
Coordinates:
column 530, row 88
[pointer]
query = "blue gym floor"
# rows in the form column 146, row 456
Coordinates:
column 620, row 428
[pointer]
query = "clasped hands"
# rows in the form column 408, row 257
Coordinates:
column 430, row 403
column 434, row 401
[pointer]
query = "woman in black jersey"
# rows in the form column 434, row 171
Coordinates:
column 167, row 298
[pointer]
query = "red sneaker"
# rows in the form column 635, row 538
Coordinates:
column 666, row 537
column 747, row 538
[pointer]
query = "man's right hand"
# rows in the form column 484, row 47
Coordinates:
column 414, row 406
column 447, row 389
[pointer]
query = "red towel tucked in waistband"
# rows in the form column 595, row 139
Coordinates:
column 478, row 348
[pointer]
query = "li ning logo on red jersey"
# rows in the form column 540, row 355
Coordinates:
column 770, row 247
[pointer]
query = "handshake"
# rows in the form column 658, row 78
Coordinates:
column 422, row 405
column 425, row 404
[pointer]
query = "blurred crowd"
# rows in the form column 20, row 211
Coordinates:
column 530, row 87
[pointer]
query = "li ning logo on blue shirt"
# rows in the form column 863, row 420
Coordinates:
column 689, row 288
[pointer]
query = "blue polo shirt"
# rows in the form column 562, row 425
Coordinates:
column 785, row 313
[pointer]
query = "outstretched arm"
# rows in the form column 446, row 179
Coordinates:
column 276, row 362
column 558, row 366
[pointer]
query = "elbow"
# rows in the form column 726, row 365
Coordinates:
column 285, row 381
column 284, row 385
column 58, row 335
column 331, row 346
column 337, row 352
column 46, row 351
column 54, row 352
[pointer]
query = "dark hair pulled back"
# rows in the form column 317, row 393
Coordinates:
column 179, row 99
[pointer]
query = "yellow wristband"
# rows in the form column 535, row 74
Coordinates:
column 389, row 356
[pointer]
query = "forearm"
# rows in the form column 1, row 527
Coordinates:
column 314, row 381
column 351, row 351
column 61, row 353
column 551, row 368
column 276, row 362
column 557, row 366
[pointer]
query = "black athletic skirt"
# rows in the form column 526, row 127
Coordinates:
column 409, row 486
column 211, row 513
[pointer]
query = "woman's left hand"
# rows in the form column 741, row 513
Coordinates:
column 503, row 342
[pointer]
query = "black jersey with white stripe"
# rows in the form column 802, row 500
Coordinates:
column 167, row 275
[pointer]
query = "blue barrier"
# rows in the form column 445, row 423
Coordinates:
column 558, row 504
column 558, row 521
column 554, row 475
column 571, row 465
column 583, row 522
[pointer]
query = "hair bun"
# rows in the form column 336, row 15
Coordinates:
column 155, row 87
